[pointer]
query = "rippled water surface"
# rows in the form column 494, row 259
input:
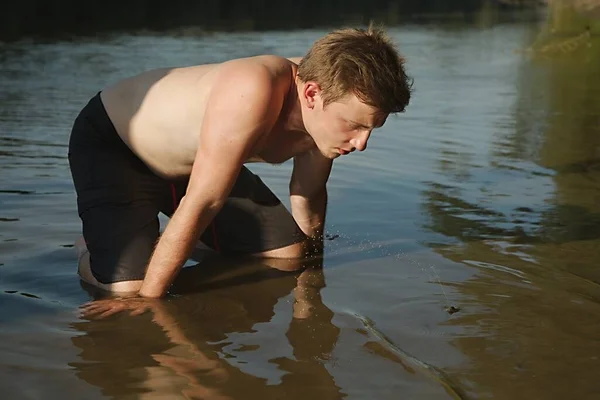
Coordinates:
column 484, row 196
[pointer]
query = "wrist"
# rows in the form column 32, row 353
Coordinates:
column 315, row 244
column 311, row 228
column 150, row 293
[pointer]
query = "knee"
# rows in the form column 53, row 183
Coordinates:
column 289, row 258
column 123, row 287
column 293, row 251
column 84, row 271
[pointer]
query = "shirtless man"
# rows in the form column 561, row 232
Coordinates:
column 175, row 140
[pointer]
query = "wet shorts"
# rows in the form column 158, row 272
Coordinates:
column 119, row 199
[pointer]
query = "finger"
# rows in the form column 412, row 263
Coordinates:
column 88, row 304
column 96, row 311
column 94, row 308
column 89, row 315
column 139, row 311
column 91, row 310
column 109, row 312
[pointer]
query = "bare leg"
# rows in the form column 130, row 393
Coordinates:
column 85, row 273
column 289, row 258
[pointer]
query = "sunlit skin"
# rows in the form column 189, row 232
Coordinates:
column 342, row 126
column 337, row 129
column 274, row 117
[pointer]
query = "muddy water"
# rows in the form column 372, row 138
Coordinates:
column 484, row 196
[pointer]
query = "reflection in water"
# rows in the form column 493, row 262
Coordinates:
column 236, row 330
column 566, row 131
column 531, row 229
column 241, row 329
column 501, row 149
column 202, row 344
column 556, row 136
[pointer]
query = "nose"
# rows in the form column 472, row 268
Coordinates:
column 360, row 141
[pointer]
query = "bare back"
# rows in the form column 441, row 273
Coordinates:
column 159, row 114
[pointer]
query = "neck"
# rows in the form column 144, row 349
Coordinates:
column 293, row 120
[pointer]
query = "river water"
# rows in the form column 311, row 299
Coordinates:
column 463, row 248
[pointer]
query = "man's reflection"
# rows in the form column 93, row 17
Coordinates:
column 206, row 341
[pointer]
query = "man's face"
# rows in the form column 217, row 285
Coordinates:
column 342, row 126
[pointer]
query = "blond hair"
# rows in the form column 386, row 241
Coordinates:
column 364, row 62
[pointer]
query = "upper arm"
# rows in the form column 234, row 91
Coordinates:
column 310, row 174
column 242, row 106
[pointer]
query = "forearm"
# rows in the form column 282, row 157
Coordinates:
column 174, row 247
column 310, row 214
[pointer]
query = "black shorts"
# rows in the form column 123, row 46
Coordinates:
column 119, row 198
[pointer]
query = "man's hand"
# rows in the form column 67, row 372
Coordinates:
column 107, row 307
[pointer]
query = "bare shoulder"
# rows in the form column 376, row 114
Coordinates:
column 246, row 98
column 253, row 79
column 272, row 67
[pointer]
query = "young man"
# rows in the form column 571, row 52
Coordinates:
column 176, row 140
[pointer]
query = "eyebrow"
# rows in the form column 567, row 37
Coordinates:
column 359, row 124
column 366, row 126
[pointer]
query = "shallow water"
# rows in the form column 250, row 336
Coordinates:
column 483, row 196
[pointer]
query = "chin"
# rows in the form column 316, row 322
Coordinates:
column 332, row 155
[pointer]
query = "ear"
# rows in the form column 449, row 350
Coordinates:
column 312, row 93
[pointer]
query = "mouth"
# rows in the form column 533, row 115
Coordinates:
column 344, row 152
